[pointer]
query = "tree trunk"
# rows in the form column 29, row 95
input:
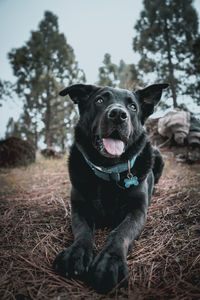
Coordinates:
column 48, row 116
column 47, row 129
column 171, row 67
column 36, row 137
column 63, row 144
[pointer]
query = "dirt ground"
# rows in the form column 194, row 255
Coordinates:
column 35, row 226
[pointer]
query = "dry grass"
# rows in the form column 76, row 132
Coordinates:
column 35, row 226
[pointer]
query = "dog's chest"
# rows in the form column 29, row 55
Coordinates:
column 109, row 207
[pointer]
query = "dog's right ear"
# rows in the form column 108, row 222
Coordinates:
column 149, row 98
column 79, row 92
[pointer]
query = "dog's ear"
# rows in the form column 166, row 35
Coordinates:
column 79, row 92
column 149, row 98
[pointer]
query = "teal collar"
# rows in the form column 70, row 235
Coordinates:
column 114, row 173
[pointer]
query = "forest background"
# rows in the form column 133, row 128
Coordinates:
column 165, row 44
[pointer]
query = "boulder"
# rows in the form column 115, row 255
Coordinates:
column 16, row 152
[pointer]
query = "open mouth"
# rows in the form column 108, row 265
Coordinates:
column 111, row 146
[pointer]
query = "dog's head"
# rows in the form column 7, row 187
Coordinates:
column 112, row 119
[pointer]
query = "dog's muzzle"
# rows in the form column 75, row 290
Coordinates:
column 114, row 131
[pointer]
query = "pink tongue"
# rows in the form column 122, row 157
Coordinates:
column 113, row 147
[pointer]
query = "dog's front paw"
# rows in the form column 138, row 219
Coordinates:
column 74, row 261
column 107, row 270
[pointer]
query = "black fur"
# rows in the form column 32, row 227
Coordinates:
column 120, row 114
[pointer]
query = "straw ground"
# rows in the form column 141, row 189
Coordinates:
column 35, row 226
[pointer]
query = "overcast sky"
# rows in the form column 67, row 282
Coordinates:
column 92, row 28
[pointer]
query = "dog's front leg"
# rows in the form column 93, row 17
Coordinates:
column 74, row 262
column 110, row 267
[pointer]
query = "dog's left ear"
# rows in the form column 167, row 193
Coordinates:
column 149, row 98
column 79, row 92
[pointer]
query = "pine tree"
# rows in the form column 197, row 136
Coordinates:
column 12, row 129
column 129, row 77
column 193, row 70
column 25, row 128
column 124, row 76
column 108, row 73
column 6, row 90
column 165, row 34
column 43, row 66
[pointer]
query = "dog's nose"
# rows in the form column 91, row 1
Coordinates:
column 117, row 115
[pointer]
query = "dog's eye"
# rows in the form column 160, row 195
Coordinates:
column 99, row 101
column 132, row 107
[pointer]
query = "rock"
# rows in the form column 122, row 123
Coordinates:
column 50, row 152
column 16, row 152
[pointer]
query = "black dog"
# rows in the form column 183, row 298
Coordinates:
column 113, row 168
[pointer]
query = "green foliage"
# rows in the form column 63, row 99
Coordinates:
column 123, row 76
column 193, row 70
column 24, row 128
column 165, row 34
column 108, row 73
column 129, row 76
column 43, row 66
column 12, row 129
column 6, row 90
